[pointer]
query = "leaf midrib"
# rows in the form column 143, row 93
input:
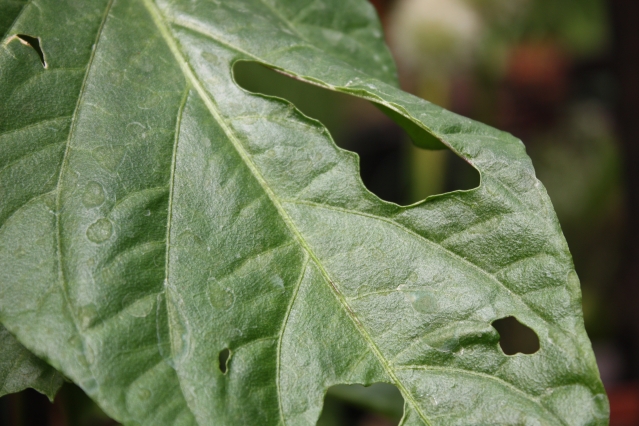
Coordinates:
column 58, row 201
column 432, row 243
column 376, row 100
column 160, row 23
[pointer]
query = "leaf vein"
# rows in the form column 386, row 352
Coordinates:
column 281, row 336
column 483, row 376
column 28, row 126
column 161, row 24
column 58, row 233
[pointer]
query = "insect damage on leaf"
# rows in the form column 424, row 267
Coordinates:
column 224, row 358
column 383, row 147
column 516, row 337
column 33, row 42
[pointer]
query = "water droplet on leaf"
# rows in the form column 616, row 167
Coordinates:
column 211, row 58
column 93, row 195
column 109, row 157
column 142, row 307
column 100, row 231
column 219, row 297
column 423, row 302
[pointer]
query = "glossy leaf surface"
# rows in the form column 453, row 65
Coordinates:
column 157, row 218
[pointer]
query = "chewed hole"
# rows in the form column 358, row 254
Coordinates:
column 516, row 337
column 391, row 167
column 378, row 404
column 33, row 42
column 224, row 357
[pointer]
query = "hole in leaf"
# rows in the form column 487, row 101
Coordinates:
column 391, row 167
column 225, row 355
column 516, row 337
column 34, row 42
column 379, row 404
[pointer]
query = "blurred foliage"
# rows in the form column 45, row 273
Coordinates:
column 379, row 404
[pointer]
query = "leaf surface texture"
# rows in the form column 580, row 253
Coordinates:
column 20, row 369
column 154, row 214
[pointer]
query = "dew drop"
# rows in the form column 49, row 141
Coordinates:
column 188, row 239
column 93, row 195
column 219, row 297
column 147, row 212
column 423, row 302
column 100, row 231
column 142, row 307
column 109, row 157
column 211, row 58
column 412, row 277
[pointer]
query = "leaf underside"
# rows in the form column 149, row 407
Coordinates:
column 154, row 214
column 20, row 369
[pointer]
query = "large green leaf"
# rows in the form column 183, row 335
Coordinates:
column 155, row 215
column 20, row 369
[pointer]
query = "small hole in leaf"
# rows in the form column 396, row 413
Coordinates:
column 34, row 42
column 225, row 355
column 378, row 404
column 516, row 337
column 391, row 167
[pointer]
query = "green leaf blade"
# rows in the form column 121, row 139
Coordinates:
column 188, row 217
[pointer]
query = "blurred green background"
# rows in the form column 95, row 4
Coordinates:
column 561, row 75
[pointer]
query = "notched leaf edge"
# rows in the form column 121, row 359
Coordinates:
column 419, row 136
